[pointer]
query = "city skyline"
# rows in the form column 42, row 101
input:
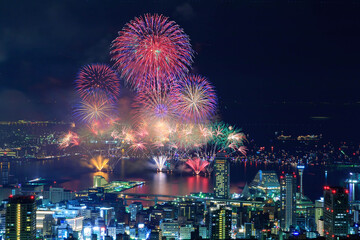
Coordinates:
column 178, row 119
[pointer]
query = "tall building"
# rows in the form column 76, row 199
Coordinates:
column 21, row 218
column 301, row 173
column 220, row 222
column 222, row 176
column 319, row 216
column 336, row 212
column 287, row 201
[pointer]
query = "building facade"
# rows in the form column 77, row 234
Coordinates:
column 220, row 222
column 287, row 201
column 21, row 218
column 222, row 177
column 336, row 212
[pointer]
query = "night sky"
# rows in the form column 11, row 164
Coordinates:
column 273, row 63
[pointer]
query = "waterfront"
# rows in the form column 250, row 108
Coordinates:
column 73, row 174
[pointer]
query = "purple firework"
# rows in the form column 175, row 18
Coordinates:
column 97, row 78
column 153, row 105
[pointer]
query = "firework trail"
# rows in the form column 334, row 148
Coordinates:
column 70, row 139
column 197, row 164
column 160, row 161
column 243, row 150
column 195, row 99
column 99, row 163
column 97, row 78
column 151, row 48
column 96, row 109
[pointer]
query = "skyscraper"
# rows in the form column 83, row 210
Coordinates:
column 288, row 201
column 21, row 218
column 336, row 212
column 301, row 173
column 222, row 176
column 220, row 222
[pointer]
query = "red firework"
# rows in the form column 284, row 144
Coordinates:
column 197, row 164
column 151, row 48
column 97, row 78
column 70, row 139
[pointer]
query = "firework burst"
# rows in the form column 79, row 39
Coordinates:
column 197, row 165
column 69, row 139
column 138, row 146
column 94, row 109
column 153, row 105
column 97, row 78
column 194, row 98
column 151, row 48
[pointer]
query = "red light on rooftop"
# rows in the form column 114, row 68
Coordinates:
column 10, row 196
column 32, row 197
column 347, row 210
column 333, row 191
column 346, row 191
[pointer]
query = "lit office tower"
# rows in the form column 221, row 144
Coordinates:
column 21, row 218
column 220, row 222
column 222, row 176
column 288, row 201
column 336, row 212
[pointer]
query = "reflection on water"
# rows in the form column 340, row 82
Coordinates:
column 73, row 175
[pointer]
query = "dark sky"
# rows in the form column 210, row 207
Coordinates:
column 272, row 62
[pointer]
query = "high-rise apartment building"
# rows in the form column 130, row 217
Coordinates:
column 21, row 218
column 287, row 201
column 222, row 176
column 220, row 222
column 336, row 212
